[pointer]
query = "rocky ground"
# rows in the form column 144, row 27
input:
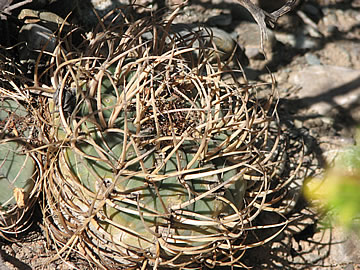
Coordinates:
column 314, row 55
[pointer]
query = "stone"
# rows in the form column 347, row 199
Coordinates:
column 35, row 38
column 355, row 4
column 332, row 146
column 221, row 20
column 249, row 38
column 313, row 10
column 223, row 41
column 327, row 87
column 342, row 53
column 87, row 16
column 299, row 40
column 2, row 264
column 312, row 59
column 347, row 249
column 47, row 19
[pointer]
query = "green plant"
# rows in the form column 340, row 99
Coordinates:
column 156, row 152
column 166, row 157
column 19, row 169
column 336, row 194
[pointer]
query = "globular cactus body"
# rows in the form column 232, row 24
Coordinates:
column 155, row 159
column 19, row 170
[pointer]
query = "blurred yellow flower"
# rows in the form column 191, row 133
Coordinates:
column 339, row 190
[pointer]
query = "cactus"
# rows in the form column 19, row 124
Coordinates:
column 19, row 170
column 161, row 161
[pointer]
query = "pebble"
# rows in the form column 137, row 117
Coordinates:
column 332, row 30
column 299, row 40
column 328, row 120
column 312, row 59
column 298, row 123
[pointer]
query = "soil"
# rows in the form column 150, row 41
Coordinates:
column 307, row 242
